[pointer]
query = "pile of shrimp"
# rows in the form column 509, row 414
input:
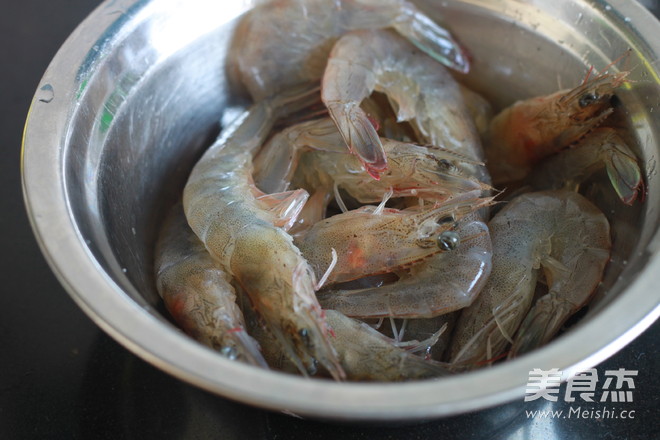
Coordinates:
column 358, row 221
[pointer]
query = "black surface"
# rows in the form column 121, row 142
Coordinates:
column 62, row 377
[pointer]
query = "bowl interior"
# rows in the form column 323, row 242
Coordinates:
column 148, row 104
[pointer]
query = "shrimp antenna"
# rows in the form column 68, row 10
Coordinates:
column 625, row 54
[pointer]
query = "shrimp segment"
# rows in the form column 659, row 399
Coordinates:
column 420, row 89
column 198, row 294
column 560, row 232
column 603, row 148
column 369, row 241
column 239, row 232
column 283, row 43
column 441, row 284
column 529, row 130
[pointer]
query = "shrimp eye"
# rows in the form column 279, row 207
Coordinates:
column 304, row 335
column 229, row 352
column 446, row 165
column 446, row 220
column 448, row 240
column 587, row 99
column 313, row 367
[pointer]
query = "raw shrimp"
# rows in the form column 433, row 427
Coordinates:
column 198, row 294
column 364, row 353
column 282, row 43
column 420, row 90
column 314, row 151
column 603, row 148
column 560, row 232
column 443, row 283
column 238, row 230
column 526, row 132
column 374, row 240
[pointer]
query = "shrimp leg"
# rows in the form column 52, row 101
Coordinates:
column 239, row 232
column 198, row 294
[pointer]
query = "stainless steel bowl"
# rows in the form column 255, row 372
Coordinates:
column 136, row 93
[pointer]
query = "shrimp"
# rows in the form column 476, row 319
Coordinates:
column 239, row 232
column 312, row 155
column 603, row 148
column 364, row 353
column 283, row 43
column 420, row 89
column 374, row 240
column 526, row 132
column 443, row 283
column 560, row 232
column 198, row 294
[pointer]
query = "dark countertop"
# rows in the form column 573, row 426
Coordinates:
column 63, row 377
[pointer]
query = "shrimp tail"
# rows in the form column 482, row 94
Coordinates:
column 285, row 206
column 624, row 173
column 433, row 39
column 360, row 135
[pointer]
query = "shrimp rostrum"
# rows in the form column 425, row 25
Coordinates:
column 238, row 227
column 557, row 232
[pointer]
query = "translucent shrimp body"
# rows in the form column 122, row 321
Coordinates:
column 524, row 133
column 312, row 154
column 557, row 231
column 371, row 241
column 441, row 284
column 238, row 230
column 601, row 149
column 198, row 294
column 420, row 90
column 282, row 43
